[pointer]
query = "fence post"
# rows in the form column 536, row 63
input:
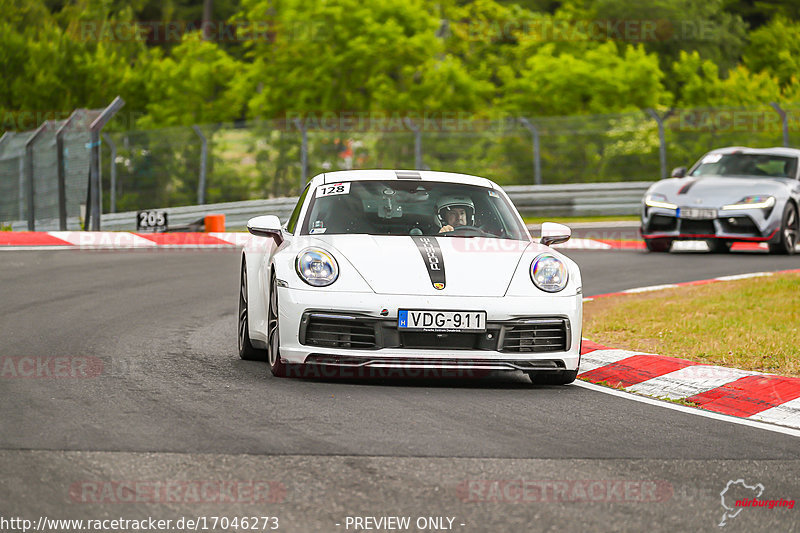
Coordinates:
column 96, row 203
column 21, row 186
column 6, row 137
column 112, row 202
column 61, row 171
column 303, row 153
column 537, row 160
column 785, row 121
column 417, row 142
column 201, row 186
column 662, row 142
column 29, row 174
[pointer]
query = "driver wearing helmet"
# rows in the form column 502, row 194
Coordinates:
column 455, row 211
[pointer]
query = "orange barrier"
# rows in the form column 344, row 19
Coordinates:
column 214, row 223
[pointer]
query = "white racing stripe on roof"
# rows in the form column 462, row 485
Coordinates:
column 689, row 381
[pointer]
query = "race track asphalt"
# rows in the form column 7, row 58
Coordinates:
column 173, row 402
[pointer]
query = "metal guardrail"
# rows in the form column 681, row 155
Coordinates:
column 582, row 199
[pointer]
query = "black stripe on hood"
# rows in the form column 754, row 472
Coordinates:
column 432, row 257
column 686, row 187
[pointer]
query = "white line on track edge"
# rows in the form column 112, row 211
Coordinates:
column 689, row 410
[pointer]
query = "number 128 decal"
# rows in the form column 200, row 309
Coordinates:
column 332, row 189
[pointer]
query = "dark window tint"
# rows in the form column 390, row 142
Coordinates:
column 296, row 213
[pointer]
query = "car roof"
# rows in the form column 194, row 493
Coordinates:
column 388, row 175
column 777, row 150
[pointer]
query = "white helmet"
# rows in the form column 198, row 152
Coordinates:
column 448, row 202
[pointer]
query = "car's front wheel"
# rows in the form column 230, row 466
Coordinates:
column 276, row 366
column 246, row 349
column 790, row 228
column 658, row 245
column 560, row 377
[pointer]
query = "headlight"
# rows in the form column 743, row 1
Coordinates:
column 549, row 273
column 752, row 202
column 317, row 267
column 658, row 200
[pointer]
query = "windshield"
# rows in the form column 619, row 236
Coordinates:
column 411, row 208
column 775, row 166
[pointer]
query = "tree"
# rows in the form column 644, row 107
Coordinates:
column 603, row 79
column 775, row 48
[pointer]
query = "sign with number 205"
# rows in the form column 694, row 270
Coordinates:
column 151, row 221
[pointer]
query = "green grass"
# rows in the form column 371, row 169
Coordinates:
column 752, row 324
column 568, row 220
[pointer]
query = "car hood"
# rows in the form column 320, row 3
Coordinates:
column 395, row 265
column 716, row 191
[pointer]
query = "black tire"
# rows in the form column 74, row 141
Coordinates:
column 561, row 377
column 276, row 366
column 246, row 349
column 790, row 228
column 658, row 245
column 719, row 246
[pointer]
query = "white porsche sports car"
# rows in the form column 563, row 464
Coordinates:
column 408, row 270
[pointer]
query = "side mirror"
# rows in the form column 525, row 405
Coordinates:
column 678, row 172
column 266, row 226
column 553, row 233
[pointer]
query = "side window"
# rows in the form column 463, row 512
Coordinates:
column 292, row 224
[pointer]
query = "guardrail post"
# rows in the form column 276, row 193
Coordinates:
column 201, row 186
column 112, row 207
column 303, row 152
column 784, row 119
column 96, row 203
column 29, row 175
column 537, row 160
column 417, row 142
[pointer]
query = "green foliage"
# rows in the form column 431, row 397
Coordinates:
column 195, row 86
column 775, row 48
column 482, row 58
column 602, row 79
column 702, row 86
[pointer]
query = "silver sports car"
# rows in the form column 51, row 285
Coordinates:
column 731, row 194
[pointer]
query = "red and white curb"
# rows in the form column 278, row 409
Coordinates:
column 95, row 240
column 652, row 288
column 728, row 391
column 680, row 246
column 121, row 240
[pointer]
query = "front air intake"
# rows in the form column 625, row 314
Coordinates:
column 536, row 336
column 338, row 331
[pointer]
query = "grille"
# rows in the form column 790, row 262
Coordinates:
column 663, row 223
column 740, row 225
column 339, row 332
column 440, row 341
column 698, row 227
column 536, row 336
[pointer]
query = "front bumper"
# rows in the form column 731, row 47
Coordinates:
column 448, row 352
column 732, row 225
